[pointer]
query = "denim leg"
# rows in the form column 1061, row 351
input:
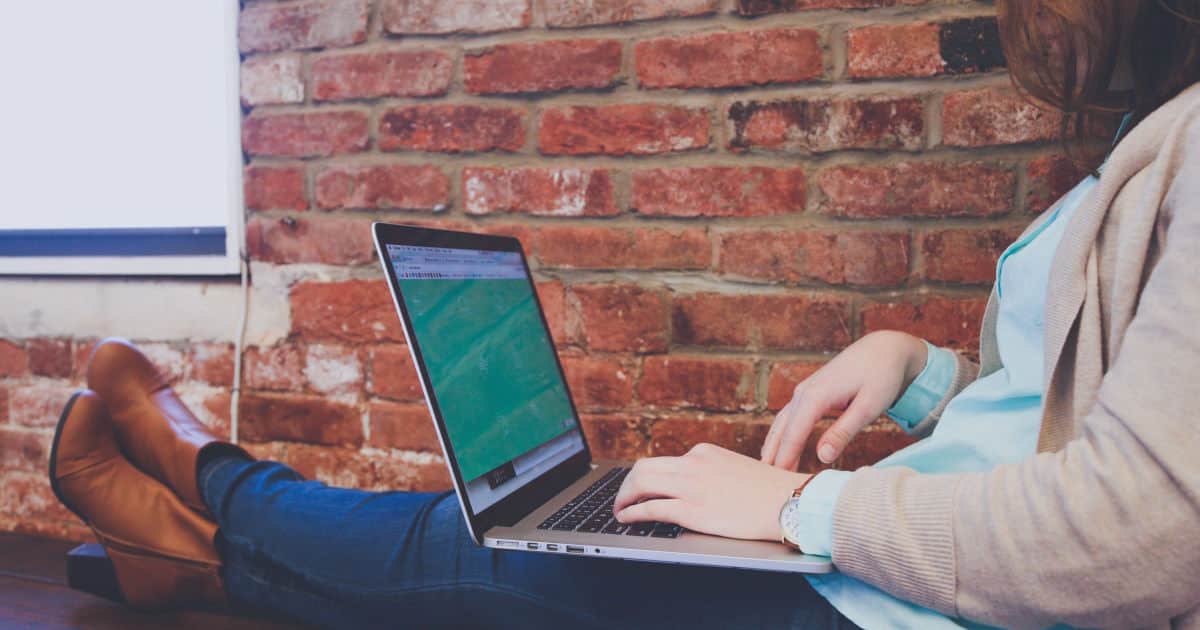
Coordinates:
column 348, row 558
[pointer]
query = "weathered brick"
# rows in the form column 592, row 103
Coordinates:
column 278, row 368
column 351, row 311
column 81, row 354
column 542, row 66
column 3, row 404
column 594, row 247
column 965, row 255
column 944, row 321
column 559, row 192
column 273, row 26
column 274, row 188
column 719, row 191
column 623, row 129
column 894, row 50
column 37, row 406
column 819, row 125
column 783, row 379
column 995, row 116
column 617, row 436
column 308, row 134
column 858, row 258
column 599, row 383
column 24, row 450
column 622, row 318
column 576, row 13
column 49, row 357
column 714, row 60
column 772, row 322
column 212, row 363
column 169, row 357
column 330, row 240
column 435, row 17
column 708, row 383
column 296, row 418
column 675, row 436
column 553, row 298
column 209, row 404
column 451, row 128
column 331, row 369
column 14, row 360
column 382, row 186
column 1050, row 177
column 391, row 373
column 764, row 7
column 381, row 73
column 405, row 426
column 272, row 80
column 28, row 497
column 917, row 189
column 971, row 45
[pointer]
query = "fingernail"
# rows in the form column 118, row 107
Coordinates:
column 826, row 453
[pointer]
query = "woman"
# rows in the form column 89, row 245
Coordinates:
column 1055, row 483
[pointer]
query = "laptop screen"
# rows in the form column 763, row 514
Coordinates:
column 491, row 364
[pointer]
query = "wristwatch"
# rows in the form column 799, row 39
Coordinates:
column 789, row 516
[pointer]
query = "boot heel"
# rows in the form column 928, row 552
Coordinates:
column 90, row 570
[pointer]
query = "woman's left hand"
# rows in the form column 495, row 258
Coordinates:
column 711, row 490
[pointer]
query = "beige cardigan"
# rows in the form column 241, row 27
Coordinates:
column 1101, row 528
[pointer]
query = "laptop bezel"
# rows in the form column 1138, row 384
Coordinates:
column 534, row 494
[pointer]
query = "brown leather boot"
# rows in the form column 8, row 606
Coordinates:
column 154, row 428
column 162, row 552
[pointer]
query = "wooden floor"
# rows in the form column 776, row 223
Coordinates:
column 33, row 594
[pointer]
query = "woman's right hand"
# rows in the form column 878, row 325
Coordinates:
column 862, row 382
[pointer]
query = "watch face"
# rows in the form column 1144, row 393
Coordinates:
column 789, row 519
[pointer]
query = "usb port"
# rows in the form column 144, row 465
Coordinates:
column 574, row 549
column 531, row 545
column 551, row 547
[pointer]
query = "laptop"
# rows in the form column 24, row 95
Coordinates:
column 509, row 430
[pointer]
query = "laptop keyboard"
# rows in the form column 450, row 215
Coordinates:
column 592, row 512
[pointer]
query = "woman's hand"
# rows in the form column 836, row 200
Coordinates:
column 710, row 490
column 862, row 382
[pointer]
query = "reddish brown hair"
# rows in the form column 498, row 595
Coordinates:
column 1064, row 53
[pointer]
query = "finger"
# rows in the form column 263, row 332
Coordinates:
column 666, row 510
column 771, row 443
column 857, row 415
column 791, row 444
column 652, row 484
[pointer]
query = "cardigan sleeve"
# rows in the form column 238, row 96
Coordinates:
column 1100, row 533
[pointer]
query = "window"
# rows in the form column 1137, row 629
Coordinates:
column 121, row 148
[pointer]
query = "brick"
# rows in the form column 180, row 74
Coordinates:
column 272, row 80
column 894, row 50
column 783, row 379
column 855, row 258
column 437, row 17
column 599, row 383
column 558, row 192
column 623, row 129
column 546, row 66
column 3, row 404
column 332, row 369
column 309, row 134
column 381, row 73
column 577, row 13
column 719, row 191
column 24, row 450
column 80, row 355
column 28, row 497
column 764, row 7
column 943, row 321
column 404, row 426
column 553, row 299
column 1050, row 177
column 37, row 406
column 275, row 188
column 868, row 447
column 14, row 360
column 296, row 418
column 708, row 383
column 622, row 318
column 49, row 357
column 995, row 116
column 451, row 128
column 820, row 125
column 971, row 45
column 169, row 358
column 675, row 436
column 212, row 363
column 351, row 311
column 917, row 189
column 271, row 26
column 278, row 368
column 288, row 240
column 213, row 411
column 717, row 60
column 589, row 247
column 617, row 436
column 391, row 373
column 965, row 256
column 382, row 186
column 773, row 322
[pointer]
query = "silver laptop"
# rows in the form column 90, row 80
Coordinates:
column 521, row 465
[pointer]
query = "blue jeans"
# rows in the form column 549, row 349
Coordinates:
column 348, row 558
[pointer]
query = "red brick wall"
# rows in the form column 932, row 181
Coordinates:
column 716, row 196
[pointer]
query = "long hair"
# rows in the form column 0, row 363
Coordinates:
column 1064, row 53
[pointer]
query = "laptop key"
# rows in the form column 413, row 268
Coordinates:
column 615, row 527
column 663, row 530
column 640, row 529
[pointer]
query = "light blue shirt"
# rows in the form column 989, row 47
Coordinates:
column 993, row 421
